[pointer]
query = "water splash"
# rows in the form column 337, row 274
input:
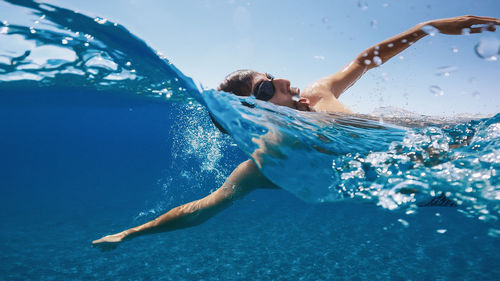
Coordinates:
column 363, row 159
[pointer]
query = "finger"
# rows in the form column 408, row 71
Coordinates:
column 481, row 28
column 493, row 20
column 484, row 20
column 476, row 29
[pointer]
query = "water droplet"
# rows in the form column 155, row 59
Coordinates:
column 362, row 5
column 404, row 40
column 436, row 90
column 375, row 52
column 488, row 48
column 64, row 41
column 373, row 23
column 32, row 30
column 429, row 29
column 441, row 231
column 377, row 60
column 368, row 62
column 445, row 70
column 390, row 45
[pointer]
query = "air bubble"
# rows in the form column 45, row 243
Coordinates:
column 373, row 23
column 436, row 90
column 488, row 48
column 390, row 45
column 441, row 231
column 368, row 62
column 429, row 29
column 403, row 222
column 404, row 40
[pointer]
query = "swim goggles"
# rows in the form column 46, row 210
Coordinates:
column 265, row 89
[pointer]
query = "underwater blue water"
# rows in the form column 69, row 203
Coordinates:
column 99, row 133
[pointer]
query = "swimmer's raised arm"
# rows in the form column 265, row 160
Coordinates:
column 378, row 54
column 245, row 178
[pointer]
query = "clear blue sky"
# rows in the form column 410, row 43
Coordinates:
column 304, row 40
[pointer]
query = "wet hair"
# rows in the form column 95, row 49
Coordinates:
column 239, row 83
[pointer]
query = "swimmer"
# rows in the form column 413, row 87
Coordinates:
column 320, row 96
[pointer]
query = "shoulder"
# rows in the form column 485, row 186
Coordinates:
column 321, row 98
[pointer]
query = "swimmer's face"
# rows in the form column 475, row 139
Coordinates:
column 284, row 95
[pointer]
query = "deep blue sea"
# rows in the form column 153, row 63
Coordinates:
column 99, row 133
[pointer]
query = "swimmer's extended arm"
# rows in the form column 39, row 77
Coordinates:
column 245, row 178
column 378, row 54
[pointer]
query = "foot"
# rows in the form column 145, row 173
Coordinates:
column 109, row 242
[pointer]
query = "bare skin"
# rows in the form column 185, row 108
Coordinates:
column 322, row 96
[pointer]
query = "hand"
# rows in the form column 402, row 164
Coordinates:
column 456, row 25
column 109, row 242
